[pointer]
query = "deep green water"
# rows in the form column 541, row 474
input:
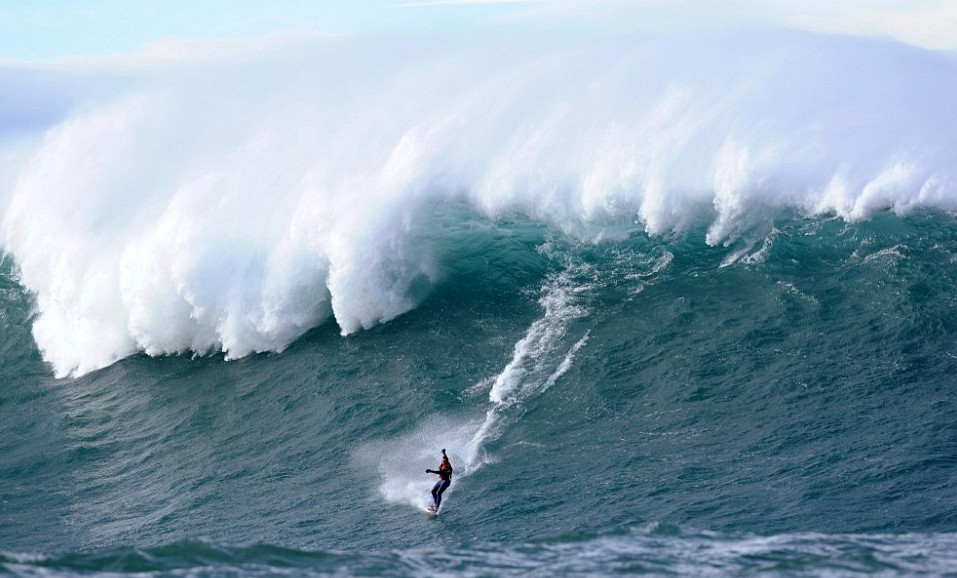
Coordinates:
column 642, row 405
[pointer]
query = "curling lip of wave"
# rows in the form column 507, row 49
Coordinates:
column 234, row 205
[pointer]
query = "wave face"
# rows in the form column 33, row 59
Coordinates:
column 771, row 407
column 233, row 201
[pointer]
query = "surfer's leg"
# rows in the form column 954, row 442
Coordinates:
column 438, row 495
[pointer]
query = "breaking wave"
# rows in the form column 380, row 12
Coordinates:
column 233, row 202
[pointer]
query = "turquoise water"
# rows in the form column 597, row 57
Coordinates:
column 643, row 405
column 676, row 303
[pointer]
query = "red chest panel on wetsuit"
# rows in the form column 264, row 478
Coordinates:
column 445, row 471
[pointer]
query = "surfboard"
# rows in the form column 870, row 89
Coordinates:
column 431, row 511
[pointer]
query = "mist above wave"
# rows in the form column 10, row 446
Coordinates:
column 231, row 202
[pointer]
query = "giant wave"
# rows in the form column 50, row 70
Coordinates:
column 233, row 201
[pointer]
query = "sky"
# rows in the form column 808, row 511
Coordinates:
column 46, row 29
column 36, row 30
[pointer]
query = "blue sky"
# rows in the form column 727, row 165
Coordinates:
column 49, row 29
column 45, row 29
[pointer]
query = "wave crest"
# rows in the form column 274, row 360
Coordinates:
column 233, row 204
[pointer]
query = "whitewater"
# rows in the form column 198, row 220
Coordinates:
column 232, row 203
column 675, row 303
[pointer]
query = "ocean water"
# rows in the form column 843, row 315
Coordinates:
column 684, row 315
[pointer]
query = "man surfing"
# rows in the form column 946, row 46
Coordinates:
column 445, row 478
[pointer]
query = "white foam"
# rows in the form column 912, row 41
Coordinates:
column 401, row 462
column 539, row 360
column 534, row 354
column 233, row 202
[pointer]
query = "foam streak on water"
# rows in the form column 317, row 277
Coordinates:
column 655, row 552
column 539, row 359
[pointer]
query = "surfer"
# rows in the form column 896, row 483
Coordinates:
column 445, row 478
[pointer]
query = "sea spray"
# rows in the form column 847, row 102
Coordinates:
column 231, row 203
column 539, row 359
